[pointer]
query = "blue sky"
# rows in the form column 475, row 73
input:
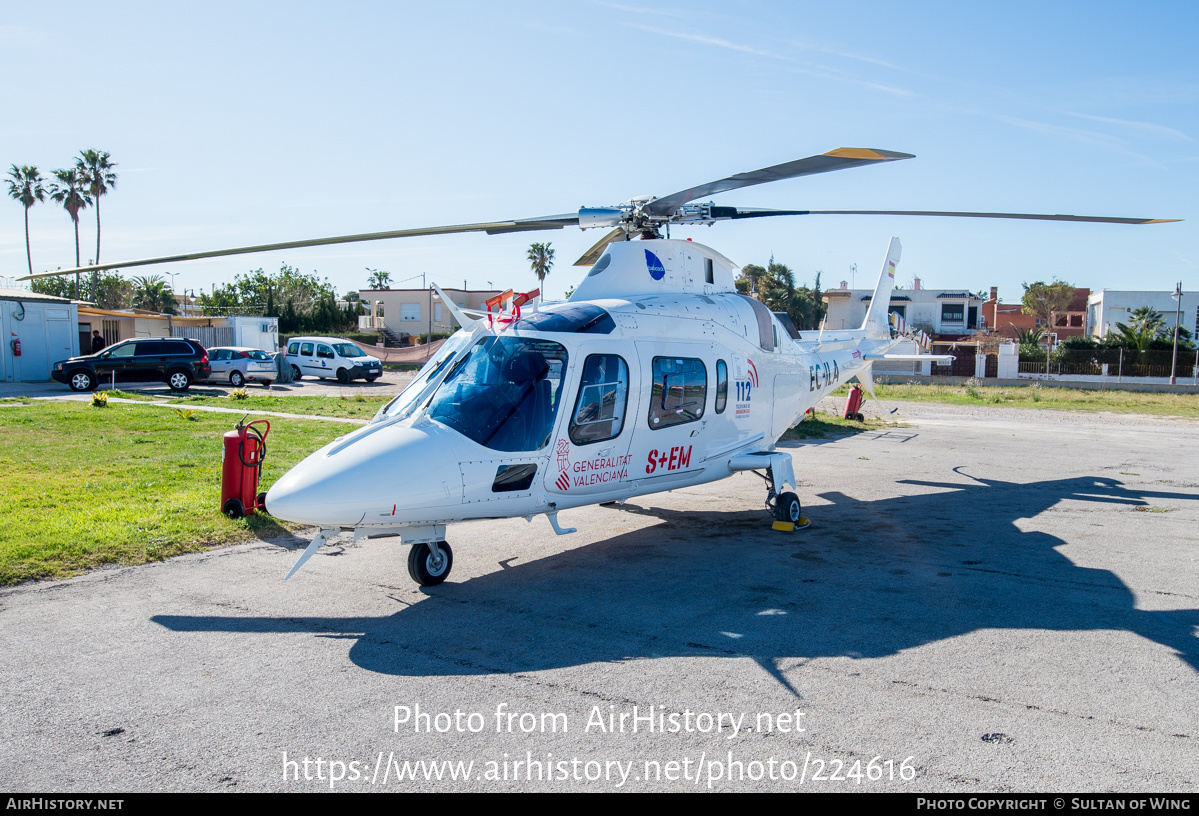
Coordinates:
column 240, row 123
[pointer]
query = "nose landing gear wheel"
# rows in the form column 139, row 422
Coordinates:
column 425, row 568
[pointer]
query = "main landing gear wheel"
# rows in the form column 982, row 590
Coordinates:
column 787, row 508
column 426, row 569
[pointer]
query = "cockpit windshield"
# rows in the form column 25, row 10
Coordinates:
column 503, row 393
column 423, row 383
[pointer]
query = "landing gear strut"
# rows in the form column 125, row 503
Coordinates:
column 780, row 502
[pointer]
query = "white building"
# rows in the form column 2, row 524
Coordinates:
column 1107, row 307
column 935, row 311
column 415, row 312
column 116, row 325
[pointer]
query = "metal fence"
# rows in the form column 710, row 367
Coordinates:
column 209, row 336
column 1117, row 362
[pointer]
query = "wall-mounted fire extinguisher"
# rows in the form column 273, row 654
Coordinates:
column 16, row 346
column 243, row 454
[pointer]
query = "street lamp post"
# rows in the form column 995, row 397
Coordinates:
column 429, row 336
column 1177, row 319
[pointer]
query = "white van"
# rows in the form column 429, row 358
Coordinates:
column 324, row 357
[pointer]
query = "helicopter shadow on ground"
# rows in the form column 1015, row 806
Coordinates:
column 873, row 578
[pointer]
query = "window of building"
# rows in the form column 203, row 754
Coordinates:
column 409, row 311
column 953, row 313
column 679, row 390
column 603, row 399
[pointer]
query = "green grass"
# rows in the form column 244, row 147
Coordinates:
column 355, row 407
column 1035, row 396
column 124, row 484
column 133, row 395
column 819, row 426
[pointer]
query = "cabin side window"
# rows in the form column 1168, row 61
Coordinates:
column 603, row 399
column 722, row 386
column 679, row 390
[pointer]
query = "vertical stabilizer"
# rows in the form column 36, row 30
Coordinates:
column 876, row 324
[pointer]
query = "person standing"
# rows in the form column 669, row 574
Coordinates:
column 97, row 341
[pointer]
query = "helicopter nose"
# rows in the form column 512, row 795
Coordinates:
column 376, row 474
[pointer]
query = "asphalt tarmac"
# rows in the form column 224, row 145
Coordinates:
column 988, row 600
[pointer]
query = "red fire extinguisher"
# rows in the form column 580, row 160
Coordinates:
column 853, row 403
column 16, row 347
column 241, row 468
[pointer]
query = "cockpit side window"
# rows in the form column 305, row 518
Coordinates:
column 602, row 401
column 503, row 393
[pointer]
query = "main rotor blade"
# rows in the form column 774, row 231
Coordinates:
column 839, row 159
column 732, row 213
column 547, row 222
column 592, row 255
column 1097, row 219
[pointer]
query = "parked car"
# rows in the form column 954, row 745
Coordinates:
column 177, row 361
column 324, row 357
column 237, row 365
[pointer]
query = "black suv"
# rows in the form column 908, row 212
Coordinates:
column 175, row 360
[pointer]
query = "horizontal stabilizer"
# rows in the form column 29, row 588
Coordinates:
column 911, row 358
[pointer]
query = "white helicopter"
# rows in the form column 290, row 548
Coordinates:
column 656, row 374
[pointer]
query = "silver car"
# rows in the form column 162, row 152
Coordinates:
column 237, row 365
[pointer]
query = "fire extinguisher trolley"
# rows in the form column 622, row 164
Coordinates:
column 241, row 468
column 853, row 404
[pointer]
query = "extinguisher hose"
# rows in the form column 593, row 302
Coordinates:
column 261, row 444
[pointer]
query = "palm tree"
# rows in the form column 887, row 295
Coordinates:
column 72, row 194
column 96, row 169
column 379, row 279
column 152, row 293
column 541, row 259
column 25, row 185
